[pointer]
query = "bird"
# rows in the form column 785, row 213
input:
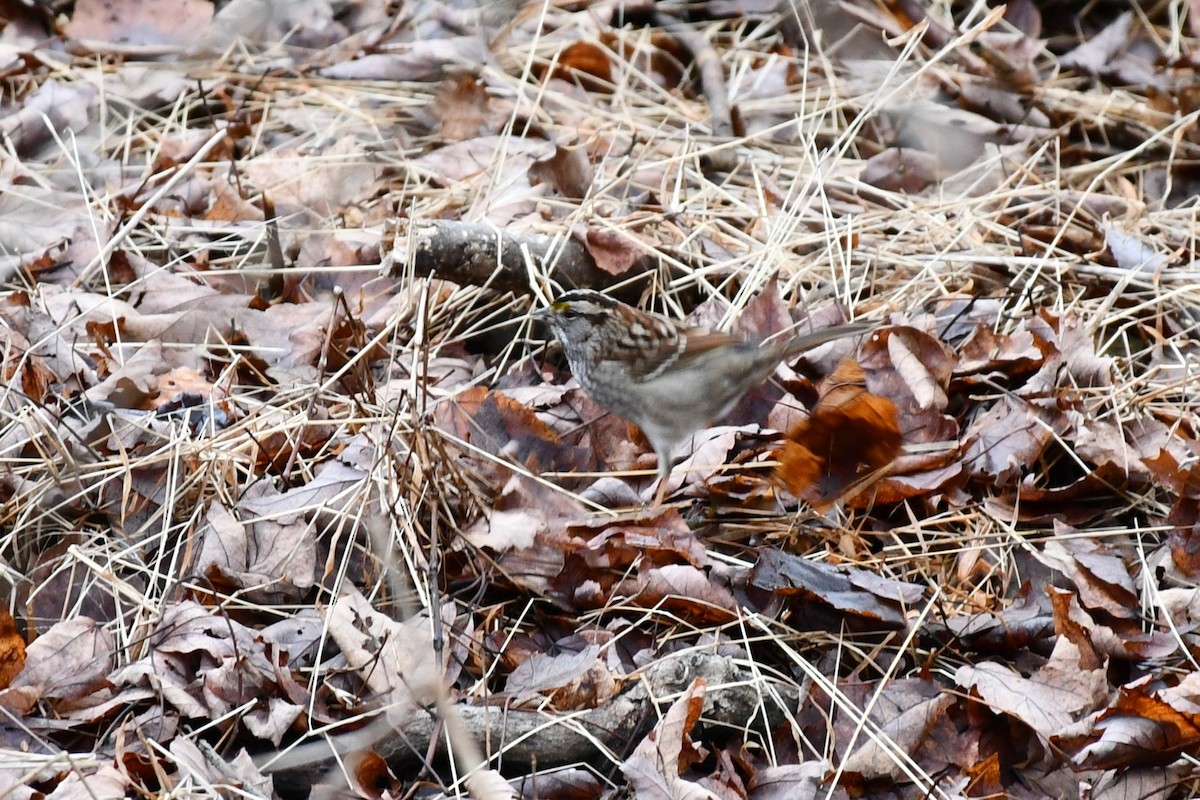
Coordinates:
column 665, row 376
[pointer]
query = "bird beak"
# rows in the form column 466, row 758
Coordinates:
column 544, row 314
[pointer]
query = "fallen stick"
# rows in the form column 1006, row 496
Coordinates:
column 524, row 738
column 472, row 254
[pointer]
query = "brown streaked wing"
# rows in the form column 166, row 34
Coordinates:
column 695, row 342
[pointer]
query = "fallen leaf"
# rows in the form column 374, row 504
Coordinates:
column 844, row 589
column 12, row 649
column 67, row 663
column 588, row 63
column 570, row 680
column 615, row 252
column 655, row 769
column 844, row 445
column 1048, row 701
column 1144, row 726
column 462, row 106
column 569, row 172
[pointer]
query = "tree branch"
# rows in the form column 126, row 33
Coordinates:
column 481, row 255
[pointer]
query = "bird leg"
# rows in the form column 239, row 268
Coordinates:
column 661, row 495
column 664, row 478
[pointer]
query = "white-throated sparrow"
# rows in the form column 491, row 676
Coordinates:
column 664, row 376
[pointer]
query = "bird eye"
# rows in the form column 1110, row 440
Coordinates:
column 571, row 313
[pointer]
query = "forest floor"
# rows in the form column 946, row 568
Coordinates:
column 298, row 495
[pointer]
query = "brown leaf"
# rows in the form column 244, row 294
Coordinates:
column 568, row 783
column 906, row 732
column 927, row 478
column 1078, row 345
column 922, row 362
column 1174, row 461
column 173, row 385
column 35, row 377
column 615, row 252
column 571, row 680
column 270, row 559
column 106, row 783
column 681, row 589
column 209, row 768
column 788, row 781
column 1068, row 624
column 588, row 63
column 1184, row 539
column 141, row 22
column 657, row 536
column 601, row 553
column 1099, row 573
column 12, row 649
column 654, row 770
column 461, row 106
column 66, row 663
column 985, row 352
column 396, row 659
column 568, row 171
column 1146, row 726
column 846, row 443
column 1048, row 701
column 710, row 452
column 1024, row 625
column 524, row 515
column 133, row 384
column 1096, row 55
column 985, row 778
column 331, row 182
column 55, row 591
column 228, row 205
column 1004, row 441
column 369, row 773
column 350, row 355
column 844, row 589
column 499, row 425
column 206, row 665
column 277, row 452
column 765, row 315
column 936, row 466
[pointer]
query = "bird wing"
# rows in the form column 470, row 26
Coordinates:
column 807, row 341
column 687, row 345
